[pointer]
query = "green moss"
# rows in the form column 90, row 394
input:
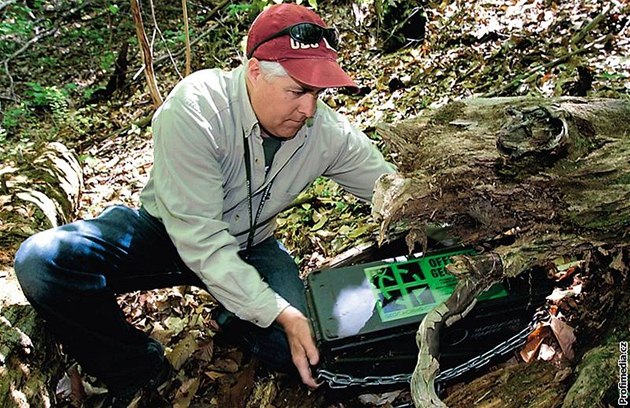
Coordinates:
column 448, row 113
column 596, row 374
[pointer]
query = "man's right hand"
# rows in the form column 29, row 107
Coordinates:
column 303, row 350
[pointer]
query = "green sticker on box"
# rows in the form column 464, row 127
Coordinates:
column 414, row 287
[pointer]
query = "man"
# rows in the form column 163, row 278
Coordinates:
column 232, row 150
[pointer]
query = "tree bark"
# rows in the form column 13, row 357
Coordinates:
column 147, row 54
column 526, row 180
column 29, row 360
column 533, row 385
column 39, row 190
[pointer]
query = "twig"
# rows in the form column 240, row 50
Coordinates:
column 536, row 70
column 176, row 54
column 171, row 56
column 193, row 42
column 168, row 50
column 187, row 34
column 147, row 54
column 594, row 23
column 11, row 84
column 215, row 10
column 30, row 42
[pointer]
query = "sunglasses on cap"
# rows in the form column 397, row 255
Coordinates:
column 305, row 33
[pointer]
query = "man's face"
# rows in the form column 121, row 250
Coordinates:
column 281, row 104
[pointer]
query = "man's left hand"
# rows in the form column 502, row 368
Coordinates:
column 303, row 350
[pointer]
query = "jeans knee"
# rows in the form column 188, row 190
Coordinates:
column 31, row 262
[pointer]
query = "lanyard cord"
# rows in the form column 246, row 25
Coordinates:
column 253, row 221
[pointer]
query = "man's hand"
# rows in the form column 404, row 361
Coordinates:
column 303, row 350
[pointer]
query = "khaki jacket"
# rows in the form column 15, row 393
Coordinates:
column 198, row 187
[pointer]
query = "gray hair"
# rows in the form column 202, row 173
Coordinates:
column 272, row 69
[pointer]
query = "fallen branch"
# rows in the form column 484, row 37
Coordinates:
column 31, row 42
column 215, row 10
column 537, row 70
column 589, row 27
column 46, row 33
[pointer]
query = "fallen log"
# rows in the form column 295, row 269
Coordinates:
column 527, row 180
column 29, row 360
column 38, row 190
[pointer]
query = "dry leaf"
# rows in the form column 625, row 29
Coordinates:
column 214, row 375
column 175, row 324
column 534, row 341
column 182, row 350
column 564, row 335
column 226, row 365
column 185, row 393
column 205, row 351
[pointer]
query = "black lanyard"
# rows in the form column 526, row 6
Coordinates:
column 253, row 221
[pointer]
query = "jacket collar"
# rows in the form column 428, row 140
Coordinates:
column 249, row 121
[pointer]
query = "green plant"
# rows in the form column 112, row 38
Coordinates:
column 49, row 97
column 113, row 8
column 257, row 6
column 15, row 29
column 235, row 9
column 312, row 3
column 14, row 115
column 106, row 60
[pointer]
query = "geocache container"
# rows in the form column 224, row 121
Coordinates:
column 365, row 316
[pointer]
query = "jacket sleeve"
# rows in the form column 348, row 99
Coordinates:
column 358, row 163
column 189, row 194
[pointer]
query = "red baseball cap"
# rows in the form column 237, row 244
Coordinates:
column 314, row 65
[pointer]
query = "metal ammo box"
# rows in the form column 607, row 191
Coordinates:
column 365, row 316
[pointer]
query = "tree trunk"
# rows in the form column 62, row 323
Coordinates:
column 29, row 360
column 532, row 385
column 38, row 191
column 487, row 166
column 528, row 181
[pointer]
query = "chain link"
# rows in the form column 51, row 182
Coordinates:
column 339, row 381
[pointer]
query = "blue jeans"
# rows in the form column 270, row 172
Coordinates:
column 72, row 274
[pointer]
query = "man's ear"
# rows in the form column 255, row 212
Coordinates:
column 253, row 69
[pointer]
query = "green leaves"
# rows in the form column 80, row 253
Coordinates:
column 324, row 221
column 113, row 8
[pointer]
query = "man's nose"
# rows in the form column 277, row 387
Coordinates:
column 308, row 104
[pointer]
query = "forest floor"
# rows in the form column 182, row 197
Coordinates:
column 58, row 63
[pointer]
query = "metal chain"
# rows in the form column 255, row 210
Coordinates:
column 338, row 381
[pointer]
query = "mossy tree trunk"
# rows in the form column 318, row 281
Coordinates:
column 526, row 180
column 38, row 190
